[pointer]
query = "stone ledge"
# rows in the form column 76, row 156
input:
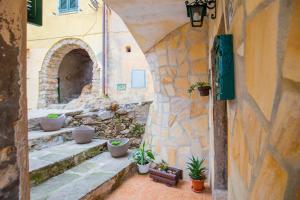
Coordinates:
column 52, row 161
column 91, row 180
column 38, row 140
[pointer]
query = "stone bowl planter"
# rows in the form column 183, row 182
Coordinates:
column 120, row 149
column 83, row 134
column 170, row 177
column 48, row 124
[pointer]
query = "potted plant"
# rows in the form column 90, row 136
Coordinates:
column 143, row 159
column 197, row 173
column 165, row 174
column 203, row 88
column 52, row 122
column 118, row 147
column 83, row 134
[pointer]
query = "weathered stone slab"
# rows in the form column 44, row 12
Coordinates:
column 52, row 161
column 93, row 179
column 38, row 140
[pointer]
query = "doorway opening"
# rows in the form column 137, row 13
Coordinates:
column 75, row 71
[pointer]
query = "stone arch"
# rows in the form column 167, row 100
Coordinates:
column 48, row 76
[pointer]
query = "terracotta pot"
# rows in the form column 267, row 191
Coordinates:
column 204, row 91
column 120, row 150
column 52, row 124
column 197, row 185
column 83, row 134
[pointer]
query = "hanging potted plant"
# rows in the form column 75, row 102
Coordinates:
column 143, row 158
column 203, row 88
column 197, row 173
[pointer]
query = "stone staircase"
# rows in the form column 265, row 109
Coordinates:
column 61, row 169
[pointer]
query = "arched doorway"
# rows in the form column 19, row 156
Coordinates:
column 75, row 71
column 68, row 66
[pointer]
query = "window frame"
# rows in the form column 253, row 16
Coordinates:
column 145, row 78
column 68, row 10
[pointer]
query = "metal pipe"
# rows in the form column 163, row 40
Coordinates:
column 104, row 50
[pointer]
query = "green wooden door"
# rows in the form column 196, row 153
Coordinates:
column 224, row 82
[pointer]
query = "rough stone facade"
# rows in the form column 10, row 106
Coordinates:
column 264, row 118
column 13, row 111
column 178, row 122
column 48, row 75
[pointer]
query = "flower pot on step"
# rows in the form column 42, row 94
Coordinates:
column 118, row 147
column 204, row 91
column 48, row 124
column 143, row 169
column 198, row 185
column 83, row 134
column 170, row 177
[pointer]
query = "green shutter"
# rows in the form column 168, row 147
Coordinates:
column 35, row 12
column 224, row 67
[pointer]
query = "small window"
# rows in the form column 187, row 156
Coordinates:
column 138, row 79
column 68, row 6
column 128, row 49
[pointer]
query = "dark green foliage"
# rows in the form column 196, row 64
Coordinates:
column 142, row 156
column 196, row 168
column 163, row 166
column 138, row 129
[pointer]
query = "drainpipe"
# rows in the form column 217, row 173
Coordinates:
column 104, row 50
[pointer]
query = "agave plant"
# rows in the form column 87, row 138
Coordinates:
column 196, row 169
column 142, row 156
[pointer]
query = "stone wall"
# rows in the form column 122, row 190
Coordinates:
column 178, row 123
column 264, row 119
column 13, row 110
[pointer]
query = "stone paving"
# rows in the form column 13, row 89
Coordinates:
column 52, row 161
column 92, row 179
column 141, row 187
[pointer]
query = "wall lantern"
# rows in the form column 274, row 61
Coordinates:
column 197, row 10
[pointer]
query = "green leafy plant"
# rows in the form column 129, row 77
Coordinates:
column 196, row 169
column 52, row 116
column 116, row 142
column 198, row 85
column 138, row 129
column 142, row 156
column 163, row 166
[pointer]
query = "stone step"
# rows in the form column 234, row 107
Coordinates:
column 38, row 140
column 52, row 161
column 92, row 179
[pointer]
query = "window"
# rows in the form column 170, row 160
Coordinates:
column 138, row 79
column 68, row 6
column 128, row 49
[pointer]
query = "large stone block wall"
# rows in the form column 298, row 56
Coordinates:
column 14, row 182
column 264, row 119
column 178, row 123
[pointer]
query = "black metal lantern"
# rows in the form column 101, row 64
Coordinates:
column 197, row 10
